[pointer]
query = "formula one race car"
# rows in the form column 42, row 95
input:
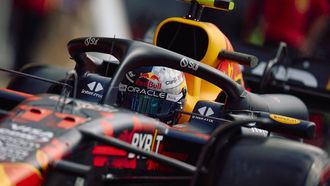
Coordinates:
column 75, row 133
column 305, row 77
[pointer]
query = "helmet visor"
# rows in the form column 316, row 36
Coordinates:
column 150, row 102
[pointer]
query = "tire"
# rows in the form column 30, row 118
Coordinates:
column 258, row 161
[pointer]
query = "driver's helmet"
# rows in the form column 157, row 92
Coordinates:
column 154, row 91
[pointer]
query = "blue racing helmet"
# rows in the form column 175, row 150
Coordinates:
column 154, row 91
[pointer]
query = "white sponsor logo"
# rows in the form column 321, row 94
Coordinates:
column 173, row 97
column 148, row 92
column 254, row 131
column 122, row 87
column 147, row 142
column 129, row 76
column 94, row 88
column 15, row 145
column 27, row 133
column 91, row 41
column 84, row 105
column 91, row 86
column 206, row 111
column 185, row 63
column 203, row 118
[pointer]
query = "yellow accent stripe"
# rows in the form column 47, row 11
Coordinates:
column 4, row 180
column 284, row 119
column 153, row 140
column 231, row 6
column 239, row 77
column 42, row 159
column 230, row 70
column 212, row 4
column 29, row 166
column 328, row 85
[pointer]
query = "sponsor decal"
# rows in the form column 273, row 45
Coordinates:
column 18, row 141
column 122, row 87
column 203, row 118
column 149, row 80
column 176, row 80
column 284, row 119
column 93, row 89
column 185, row 63
column 95, row 107
column 91, row 41
column 170, row 82
column 147, row 142
column 34, row 134
column 84, row 105
column 206, row 111
column 260, row 131
column 148, row 92
column 174, row 97
column 129, row 76
column 254, row 131
column 149, row 76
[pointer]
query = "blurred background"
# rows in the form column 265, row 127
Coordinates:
column 36, row 31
